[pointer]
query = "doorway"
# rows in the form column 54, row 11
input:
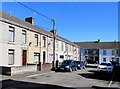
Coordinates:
column 24, row 57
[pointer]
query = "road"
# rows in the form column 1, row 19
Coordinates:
column 85, row 78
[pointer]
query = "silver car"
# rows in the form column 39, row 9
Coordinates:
column 105, row 67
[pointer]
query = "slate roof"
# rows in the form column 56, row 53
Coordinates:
column 16, row 21
column 101, row 45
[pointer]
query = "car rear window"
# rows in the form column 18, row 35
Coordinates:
column 103, row 64
column 108, row 64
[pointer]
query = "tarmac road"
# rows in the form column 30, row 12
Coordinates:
column 85, row 78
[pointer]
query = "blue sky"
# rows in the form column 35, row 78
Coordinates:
column 76, row 21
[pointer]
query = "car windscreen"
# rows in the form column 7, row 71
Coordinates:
column 78, row 62
column 66, row 62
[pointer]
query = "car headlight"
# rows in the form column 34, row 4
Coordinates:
column 79, row 65
column 67, row 67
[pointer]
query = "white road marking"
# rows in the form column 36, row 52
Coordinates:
column 111, row 80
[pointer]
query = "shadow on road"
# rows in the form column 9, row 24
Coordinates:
column 100, row 75
column 13, row 84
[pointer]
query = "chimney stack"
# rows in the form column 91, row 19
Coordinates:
column 30, row 20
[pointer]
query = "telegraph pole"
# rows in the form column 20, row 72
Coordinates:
column 54, row 33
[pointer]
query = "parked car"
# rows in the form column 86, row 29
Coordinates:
column 105, row 67
column 80, row 64
column 67, row 65
column 90, row 61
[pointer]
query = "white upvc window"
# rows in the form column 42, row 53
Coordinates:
column 44, row 41
column 36, row 40
column 61, row 46
column 113, row 52
column 104, row 52
column 10, row 56
column 56, row 44
column 23, row 37
column 11, row 34
column 36, row 57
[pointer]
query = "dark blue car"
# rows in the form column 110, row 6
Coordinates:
column 67, row 65
column 80, row 64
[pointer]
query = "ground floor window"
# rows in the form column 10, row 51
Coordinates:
column 10, row 56
column 104, row 59
column 50, row 58
column 36, row 57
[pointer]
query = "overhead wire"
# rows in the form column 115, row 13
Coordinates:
column 34, row 10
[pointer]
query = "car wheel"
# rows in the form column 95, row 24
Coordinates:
column 70, row 70
column 75, row 68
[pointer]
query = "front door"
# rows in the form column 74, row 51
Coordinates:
column 24, row 57
column 44, row 57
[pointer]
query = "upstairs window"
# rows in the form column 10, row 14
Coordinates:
column 36, row 40
column 44, row 41
column 113, row 52
column 23, row 37
column 62, row 46
column 86, row 51
column 11, row 34
column 94, row 51
column 104, row 52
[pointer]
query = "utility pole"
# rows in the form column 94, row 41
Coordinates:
column 115, row 50
column 54, row 33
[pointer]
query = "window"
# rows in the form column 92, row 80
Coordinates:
column 36, row 40
column 70, row 48
column 104, row 52
column 61, row 56
column 11, row 34
column 118, row 52
column 36, row 57
column 104, row 59
column 113, row 52
column 10, row 57
column 23, row 37
column 57, row 44
column 62, row 46
column 86, row 51
column 44, row 57
column 66, row 47
column 43, row 41
column 94, row 51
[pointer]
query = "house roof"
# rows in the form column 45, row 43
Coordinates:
column 101, row 45
column 16, row 21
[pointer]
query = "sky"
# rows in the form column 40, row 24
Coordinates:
column 76, row 21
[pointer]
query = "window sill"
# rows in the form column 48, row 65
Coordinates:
column 24, row 44
column 36, row 46
column 13, row 43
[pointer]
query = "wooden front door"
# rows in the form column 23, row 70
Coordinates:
column 24, row 57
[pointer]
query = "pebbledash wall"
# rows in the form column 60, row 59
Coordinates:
column 24, row 54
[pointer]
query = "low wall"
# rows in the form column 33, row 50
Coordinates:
column 5, row 70
column 23, row 69
column 18, row 69
column 46, row 67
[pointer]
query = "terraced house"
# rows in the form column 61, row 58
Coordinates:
column 26, row 47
